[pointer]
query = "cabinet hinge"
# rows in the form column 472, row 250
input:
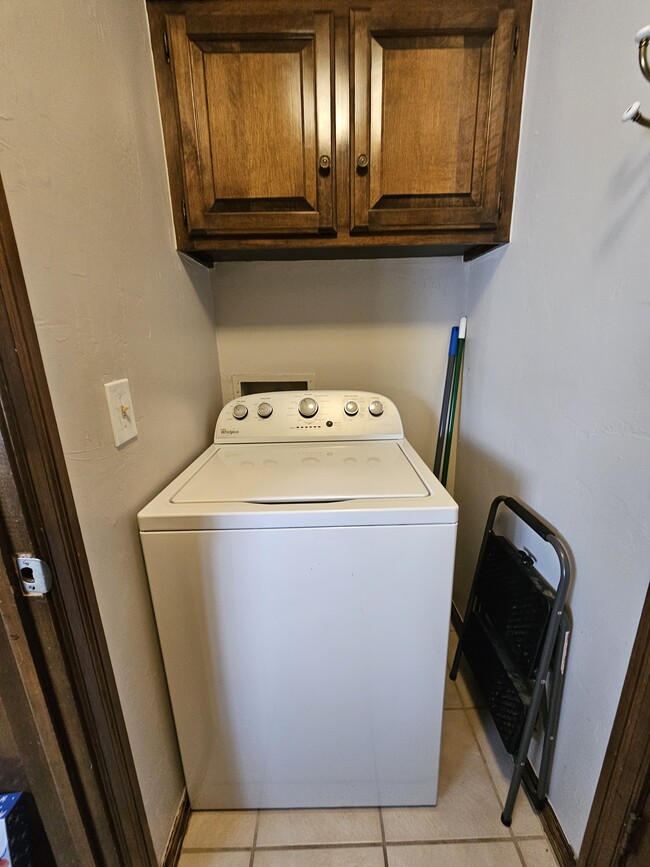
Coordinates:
column 500, row 206
column 184, row 212
column 515, row 41
column 166, row 46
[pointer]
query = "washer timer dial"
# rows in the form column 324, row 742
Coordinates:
column 376, row 407
column 308, row 407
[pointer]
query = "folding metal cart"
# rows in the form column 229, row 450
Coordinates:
column 515, row 637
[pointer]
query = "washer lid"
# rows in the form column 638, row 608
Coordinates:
column 303, row 473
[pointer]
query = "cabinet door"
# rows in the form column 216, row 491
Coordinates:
column 255, row 121
column 430, row 87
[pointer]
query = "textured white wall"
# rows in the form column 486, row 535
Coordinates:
column 556, row 402
column 378, row 324
column 82, row 158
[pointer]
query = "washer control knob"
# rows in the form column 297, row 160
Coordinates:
column 351, row 407
column 264, row 410
column 308, row 407
column 240, row 411
column 376, row 407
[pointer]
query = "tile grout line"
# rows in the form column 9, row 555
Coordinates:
column 445, row 841
column 301, row 847
column 519, row 852
column 253, row 847
column 383, row 836
column 466, row 711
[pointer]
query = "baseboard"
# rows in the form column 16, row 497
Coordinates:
column 556, row 837
column 177, row 834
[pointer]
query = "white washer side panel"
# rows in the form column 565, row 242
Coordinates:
column 306, row 666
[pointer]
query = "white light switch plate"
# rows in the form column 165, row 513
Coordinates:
column 120, row 408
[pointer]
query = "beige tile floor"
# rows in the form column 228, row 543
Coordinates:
column 463, row 830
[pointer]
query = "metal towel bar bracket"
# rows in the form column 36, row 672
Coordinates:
column 633, row 113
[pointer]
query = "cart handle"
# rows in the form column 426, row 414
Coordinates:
column 542, row 530
column 522, row 512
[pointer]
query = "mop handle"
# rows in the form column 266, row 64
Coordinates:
column 454, row 397
column 444, row 410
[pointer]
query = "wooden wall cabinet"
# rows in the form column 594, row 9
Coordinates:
column 296, row 129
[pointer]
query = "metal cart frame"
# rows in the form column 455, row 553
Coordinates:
column 542, row 695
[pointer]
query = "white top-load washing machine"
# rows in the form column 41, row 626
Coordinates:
column 301, row 572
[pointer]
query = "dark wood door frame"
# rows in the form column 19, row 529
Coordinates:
column 58, row 686
column 618, row 823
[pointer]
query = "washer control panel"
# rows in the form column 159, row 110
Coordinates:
column 286, row 416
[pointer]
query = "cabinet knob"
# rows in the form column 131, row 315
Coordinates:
column 362, row 161
column 324, row 164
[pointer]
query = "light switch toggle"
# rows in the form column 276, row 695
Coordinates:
column 120, row 408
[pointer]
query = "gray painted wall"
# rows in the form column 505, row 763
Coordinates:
column 556, row 401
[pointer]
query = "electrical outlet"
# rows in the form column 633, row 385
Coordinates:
column 120, row 408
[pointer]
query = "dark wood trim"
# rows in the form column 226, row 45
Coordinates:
column 175, row 843
column 479, row 250
column 523, row 9
column 64, row 629
column 302, row 253
column 556, row 837
column 625, row 776
column 27, row 715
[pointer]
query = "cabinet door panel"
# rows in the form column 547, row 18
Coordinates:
column 253, row 100
column 249, row 130
column 429, row 111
